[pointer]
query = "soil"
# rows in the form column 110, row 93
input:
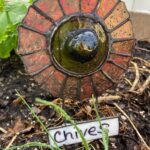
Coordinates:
column 16, row 117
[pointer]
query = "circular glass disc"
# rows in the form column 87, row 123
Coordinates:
column 79, row 45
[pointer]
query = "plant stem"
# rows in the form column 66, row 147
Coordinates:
column 31, row 144
column 67, row 117
column 104, row 131
column 38, row 119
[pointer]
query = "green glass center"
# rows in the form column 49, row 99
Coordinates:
column 79, row 46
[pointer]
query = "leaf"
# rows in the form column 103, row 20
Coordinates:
column 3, row 37
column 105, row 138
column 7, row 46
column 19, row 125
column 3, row 22
column 11, row 15
column 2, row 4
column 17, row 12
column 8, row 42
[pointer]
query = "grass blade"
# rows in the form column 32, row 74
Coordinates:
column 38, row 119
column 105, row 136
column 67, row 117
column 29, row 145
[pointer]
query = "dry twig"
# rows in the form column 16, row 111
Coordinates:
column 137, row 78
column 147, row 63
column 141, row 70
column 128, row 81
column 12, row 141
column 107, row 98
column 3, row 130
column 142, row 49
column 132, row 124
column 144, row 86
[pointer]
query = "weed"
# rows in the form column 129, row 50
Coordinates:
column 67, row 117
column 38, row 119
column 105, row 136
column 30, row 145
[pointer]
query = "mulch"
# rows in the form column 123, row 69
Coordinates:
column 15, row 117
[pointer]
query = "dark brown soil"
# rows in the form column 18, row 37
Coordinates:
column 15, row 117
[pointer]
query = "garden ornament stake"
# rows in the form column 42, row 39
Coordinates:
column 76, row 48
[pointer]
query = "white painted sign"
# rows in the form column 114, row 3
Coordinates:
column 67, row 135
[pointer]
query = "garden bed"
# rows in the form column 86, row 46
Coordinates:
column 15, row 117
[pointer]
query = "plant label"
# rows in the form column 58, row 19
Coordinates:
column 67, row 135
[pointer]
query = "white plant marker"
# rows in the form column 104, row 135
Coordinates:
column 67, row 135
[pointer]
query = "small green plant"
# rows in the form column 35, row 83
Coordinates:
column 11, row 15
column 30, row 145
column 67, row 117
column 38, row 119
column 61, row 111
column 105, row 136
